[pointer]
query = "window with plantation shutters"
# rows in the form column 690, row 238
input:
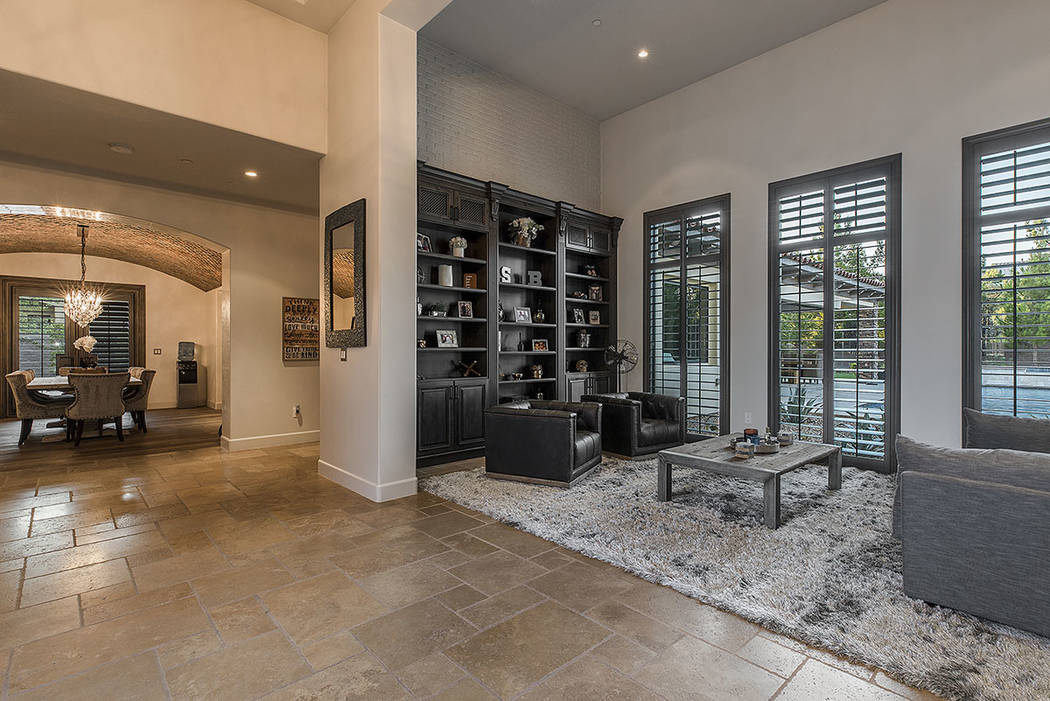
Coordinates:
column 41, row 333
column 834, row 297
column 1006, row 245
column 112, row 331
column 687, row 298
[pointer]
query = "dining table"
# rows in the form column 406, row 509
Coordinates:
column 60, row 383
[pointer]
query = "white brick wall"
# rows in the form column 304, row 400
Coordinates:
column 480, row 123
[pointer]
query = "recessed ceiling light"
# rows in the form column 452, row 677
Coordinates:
column 643, row 53
column 251, row 173
column 125, row 149
column 596, row 22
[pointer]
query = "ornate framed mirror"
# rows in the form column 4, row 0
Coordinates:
column 344, row 277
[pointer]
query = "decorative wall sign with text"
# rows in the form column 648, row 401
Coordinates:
column 300, row 328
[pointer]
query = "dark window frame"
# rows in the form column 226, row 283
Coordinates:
column 890, row 166
column 724, row 204
column 973, row 147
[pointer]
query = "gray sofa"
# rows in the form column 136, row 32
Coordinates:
column 974, row 523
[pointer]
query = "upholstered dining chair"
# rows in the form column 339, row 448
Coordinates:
column 136, row 397
column 31, row 405
column 97, row 398
column 97, row 370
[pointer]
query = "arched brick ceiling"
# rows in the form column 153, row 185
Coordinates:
column 109, row 237
column 343, row 272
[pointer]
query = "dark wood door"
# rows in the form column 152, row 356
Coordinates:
column 576, row 236
column 434, row 418
column 471, row 212
column 599, row 239
column 470, row 414
column 436, row 203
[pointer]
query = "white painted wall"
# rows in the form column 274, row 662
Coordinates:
column 272, row 254
column 175, row 311
column 478, row 122
column 225, row 62
column 908, row 76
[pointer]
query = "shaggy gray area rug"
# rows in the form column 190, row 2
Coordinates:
column 830, row 576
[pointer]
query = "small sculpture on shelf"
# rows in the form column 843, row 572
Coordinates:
column 594, row 293
column 539, row 317
column 581, row 366
column 468, row 369
column 421, row 343
column 435, row 310
column 583, row 339
column 537, row 372
column 525, row 230
column 590, row 270
column 457, row 244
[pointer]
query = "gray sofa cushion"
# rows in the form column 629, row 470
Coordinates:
column 1018, row 468
column 992, row 431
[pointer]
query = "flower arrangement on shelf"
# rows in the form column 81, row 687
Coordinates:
column 525, row 231
column 458, row 244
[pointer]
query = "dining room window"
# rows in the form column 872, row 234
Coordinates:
column 41, row 338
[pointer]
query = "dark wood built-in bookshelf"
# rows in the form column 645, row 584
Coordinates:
column 450, row 406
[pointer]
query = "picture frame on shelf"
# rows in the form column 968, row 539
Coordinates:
column 465, row 309
column 578, row 317
column 447, row 338
column 540, row 344
column 470, row 281
column 423, row 243
column 594, row 317
column 594, row 293
column 522, row 315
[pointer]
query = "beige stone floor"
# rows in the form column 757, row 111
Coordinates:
column 199, row 574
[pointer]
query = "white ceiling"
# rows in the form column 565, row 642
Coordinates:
column 317, row 14
column 553, row 47
column 57, row 126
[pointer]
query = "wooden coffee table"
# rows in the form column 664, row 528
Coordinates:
column 715, row 455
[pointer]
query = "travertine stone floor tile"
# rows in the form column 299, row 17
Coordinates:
column 635, row 626
column 180, row 568
column 189, row 648
column 409, row 634
column 240, row 671
column 430, row 675
column 496, row 572
column 241, row 620
column 690, row 665
column 372, row 559
column 359, row 678
column 249, row 536
column 161, row 513
column 518, row 542
column 9, row 586
column 465, row 690
column 622, row 654
column 462, row 596
column 819, row 682
column 906, row 691
column 136, row 678
column 708, row 623
column 448, row 559
column 107, row 531
column 211, row 494
column 552, row 559
column 108, row 594
column 68, row 653
column 11, row 565
column 315, row 524
column 325, row 653
column 82, row 519
column 27, row 547
column 512, row 655
column 384, row 518
column 841, row 664
column 147, row 556
column 9, row 505
column 445, row 524
column 98, row 607
column 771, row 656
column 408, row 584
column 28, row 624
column 92, row 553
column 578, row 586
column 239, row 582
column 588, row 679
column 317, row 608
column 59, row 585
column 468, row 544
column 15, row 528
column 501, row 606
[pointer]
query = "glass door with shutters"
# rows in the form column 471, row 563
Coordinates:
column 687, row 299
column 834, row 293
column 41, row 324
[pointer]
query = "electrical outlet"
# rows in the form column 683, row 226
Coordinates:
column 156, row 351
column 748, row 418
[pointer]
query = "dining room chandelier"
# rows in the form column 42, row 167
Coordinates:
column 83, row 305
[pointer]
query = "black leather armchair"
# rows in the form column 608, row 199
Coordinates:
column 640, row 423
column 547, row 442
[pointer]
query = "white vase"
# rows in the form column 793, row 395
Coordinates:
column 445, row 275
column 458, row 252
